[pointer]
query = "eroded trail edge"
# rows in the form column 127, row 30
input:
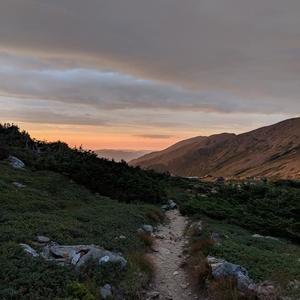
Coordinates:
column 170, row 281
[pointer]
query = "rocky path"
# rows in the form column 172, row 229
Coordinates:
column 170, row 282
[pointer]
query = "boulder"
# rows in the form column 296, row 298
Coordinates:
column 79, row 255
column 29, row 251
column 106, row 291
column 224, row 269
column 16, row 163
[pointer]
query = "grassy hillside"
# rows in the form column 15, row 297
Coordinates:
column 108, row 178
column 53, row 205
column 235, row 214
column 267, row 208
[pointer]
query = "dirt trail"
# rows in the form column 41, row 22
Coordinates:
column 170, row 280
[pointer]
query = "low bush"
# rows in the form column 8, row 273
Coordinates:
column 267, row 209
column 108, row 178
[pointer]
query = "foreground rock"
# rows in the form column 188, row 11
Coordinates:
column 76, row 255
column 223, row 269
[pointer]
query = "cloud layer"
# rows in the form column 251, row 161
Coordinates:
column 153, row 64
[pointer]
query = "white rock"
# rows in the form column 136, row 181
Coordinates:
column 16, row 163
column 19, row 185
column 28, row 250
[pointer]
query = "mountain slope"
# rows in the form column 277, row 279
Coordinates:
column 108, row 178
column 272, row 151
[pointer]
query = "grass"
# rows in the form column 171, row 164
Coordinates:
column 265, row 259
column 238, row 212
column 266, row 208
column 55, row 206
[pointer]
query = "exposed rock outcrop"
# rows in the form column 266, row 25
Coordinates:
column 77, row 255
column 223, row 269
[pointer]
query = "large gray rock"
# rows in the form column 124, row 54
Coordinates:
column 16, row 163
column 79, row 255
column 224, row 269
column 29, row 251
column 106, row 291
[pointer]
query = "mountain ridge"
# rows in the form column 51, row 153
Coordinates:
column 271, row 151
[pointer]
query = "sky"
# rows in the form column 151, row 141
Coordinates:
column 140, row 74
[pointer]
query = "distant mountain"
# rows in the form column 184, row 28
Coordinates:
column 272, row 151
column 118, row 155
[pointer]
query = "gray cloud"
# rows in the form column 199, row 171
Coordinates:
column 30, row 78
column 168, row 64
column 245, row 47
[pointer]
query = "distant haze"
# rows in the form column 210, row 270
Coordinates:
column 119, row 155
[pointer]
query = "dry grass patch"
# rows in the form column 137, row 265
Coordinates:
column 147, row 239
column 226, row 289
column 156, row 215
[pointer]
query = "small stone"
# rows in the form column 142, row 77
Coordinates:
column 184, row 286
column 106, row 291
column 147, row 229
column 19, row 185
column 175, row 273
column 159, row 236
column 42, row 239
